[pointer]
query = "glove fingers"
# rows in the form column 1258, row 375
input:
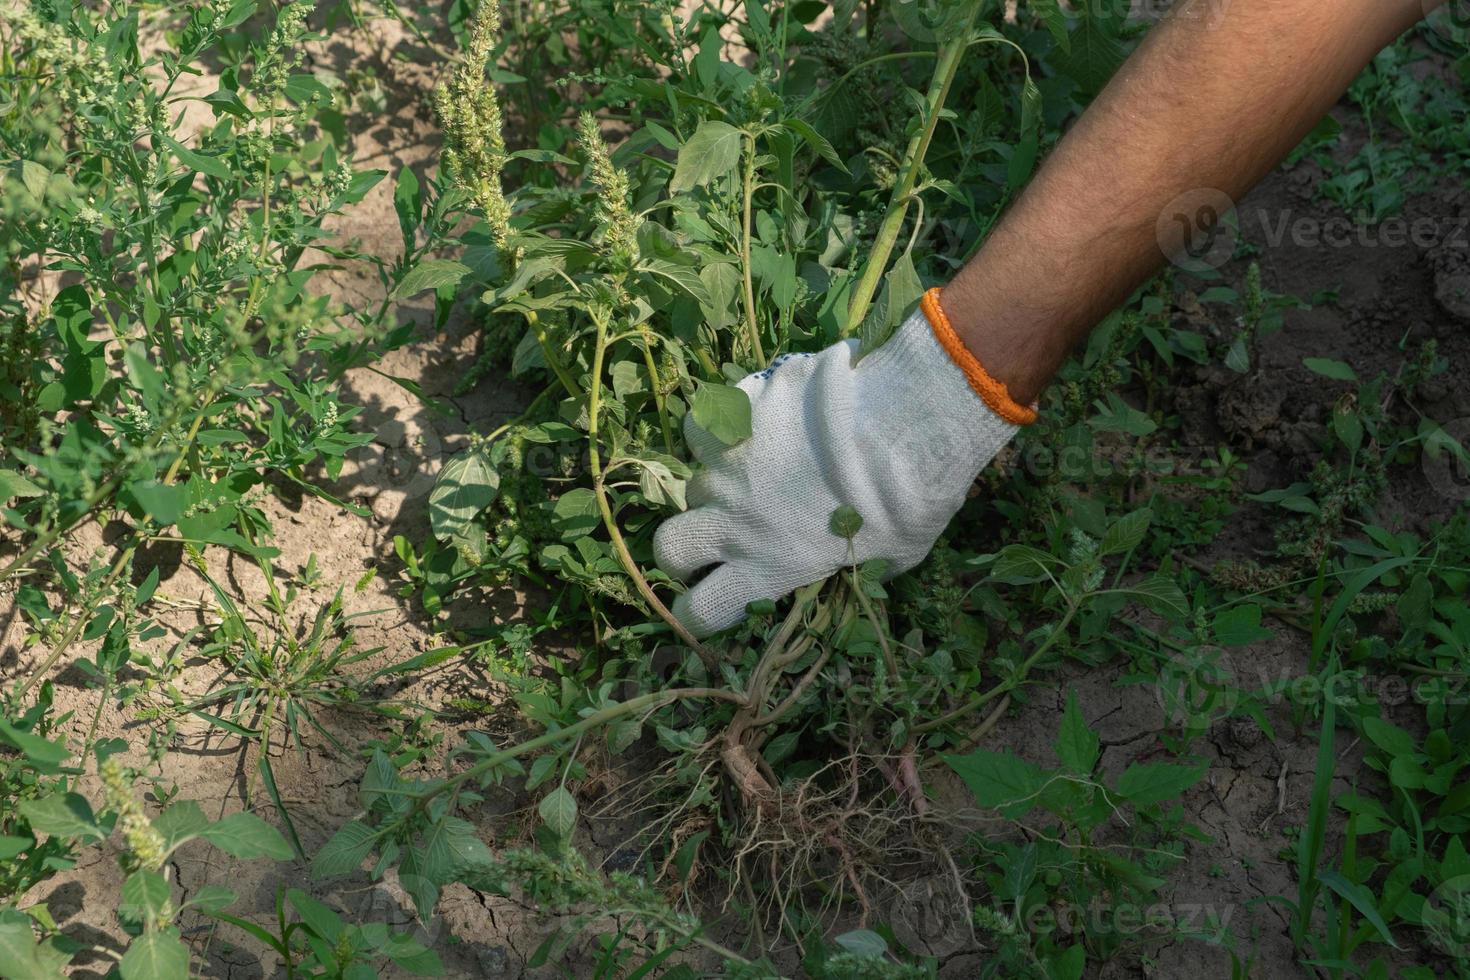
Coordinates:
column 687, row 542
column 718, row 601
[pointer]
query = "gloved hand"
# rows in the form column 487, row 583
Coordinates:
column 900, row 437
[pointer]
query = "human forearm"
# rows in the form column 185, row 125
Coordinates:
column 1214, row 98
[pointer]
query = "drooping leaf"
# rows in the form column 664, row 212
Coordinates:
column 245, row 835
column 467, row 484
column 711, row 152
column 156, row 955
column 723, row 411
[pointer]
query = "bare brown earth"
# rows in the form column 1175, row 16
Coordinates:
column 1257, row 787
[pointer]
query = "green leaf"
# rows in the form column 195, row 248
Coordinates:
column 558, row 812
column 685, row 277
column 1021, row 564
column 999, row 780
column 845, row 522
column 1415, row 605
column 145, row 898
column 163, row 502
column 66, row 815
column 408, row 201
column 721, row 282
column 816, row 141
column 1328, row 368
column 863, row 942
column 12, row 846
column 1092, row 55
column 1361, row 899
column 576, row 513
column 723, row 411
column 1161, row 594
column 346, row 850
column 466, row 486
column 208, row 165
column 12, row 484
column 431, row 274
column 1154, row 782
column 211, row 899
column 661, row 483
column 1077, row 745
column 1240, row 626
column 41, row 753
column 1127, row 532
column 711, row 152
column 181, row 822
column 318, row 917
column 245, row 835
column 21, row 957
column 156, row 955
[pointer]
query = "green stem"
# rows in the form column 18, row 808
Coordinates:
column 594, row 404
column 1005, row 686
column 552, row 355
column 752, row 325
column 658, row 393
column 898, row 205
column 644, row 702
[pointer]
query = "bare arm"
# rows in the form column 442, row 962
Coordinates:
column 1214, row 98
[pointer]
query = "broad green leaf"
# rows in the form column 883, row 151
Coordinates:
column 42, row 753
column 320, row 919
column 1077, row 745
column 723, row 411
column 1240, row 626
column 863, row 942
column 156, row 955
column 558, row 812
column 346, row 850
column 576, row 513
column 660, row 484
column 466, row 486
column 845, row 522
column 211, row 899
column 1154, row 782
column 999, row 780
column 245, row 835
column 1161, row 594
column 1127, row 532
column 11, row 846
column 65, row 815
column 431, row 274
column 181, row 822
column 145, row 898
column 12, row 484
column 408, row 202
column 1328, row 368
column 21, row 957
column 1021, row 564
column 713, row 151
column 816, row 141
column 163, row 502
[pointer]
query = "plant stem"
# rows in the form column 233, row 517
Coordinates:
column 650, row 702
column 898, row 203
column 658, row 393
column 552, row 355
column 1005, row 686
column 75, row 629
column 752, row 325
column 594, row 404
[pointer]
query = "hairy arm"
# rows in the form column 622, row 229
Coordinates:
column 1216, row 96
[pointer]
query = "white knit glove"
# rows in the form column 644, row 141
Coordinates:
column 900, row 437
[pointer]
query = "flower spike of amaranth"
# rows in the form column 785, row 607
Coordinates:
column 620, row 226
column 146, row 846
column 474, row 141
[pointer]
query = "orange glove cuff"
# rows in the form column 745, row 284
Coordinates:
column 994, row 393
